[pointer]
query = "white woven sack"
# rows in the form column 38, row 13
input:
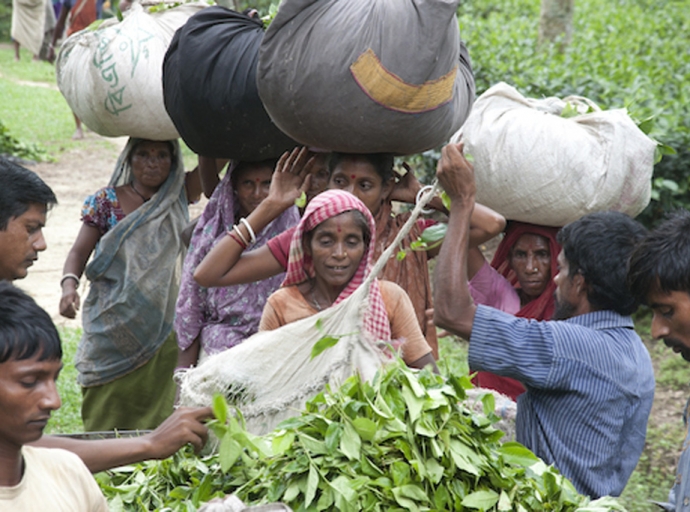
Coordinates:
column 272, row 373
column 111, row 77
column 533, row 165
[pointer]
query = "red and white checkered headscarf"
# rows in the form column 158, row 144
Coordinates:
column 300, row 266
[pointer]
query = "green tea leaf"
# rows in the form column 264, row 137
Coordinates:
column 301, row 201
column 291, row 492
column 442, row 498
column 350, row 442
column 488, row 404
column 345, row 496
column 333, row 434
column 463, row 457
column 228, row 452
column 483, row 500
column 414, row 403
column 326, row 499
column 515, row 453
column 365, row 427
column 401, row 255
column 434, row 233
column 312, row 485
column 569, row 110
column 220, row 408
column 434, row 470
column 400, row 472
column 324, row 343
column 646, row 125
column 314, row 446
column 444, row 195
column 504, row 502
column 282, row 441
column 414, row 492
column 369, row 469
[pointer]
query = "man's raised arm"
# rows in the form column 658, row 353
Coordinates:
column 453, row 306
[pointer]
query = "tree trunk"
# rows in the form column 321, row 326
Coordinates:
column 556, row 22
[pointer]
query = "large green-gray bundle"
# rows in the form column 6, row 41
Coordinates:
column 404, row 441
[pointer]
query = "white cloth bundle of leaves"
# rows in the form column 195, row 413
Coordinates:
column 272, row 374
column 550, row 161
column 111, row 77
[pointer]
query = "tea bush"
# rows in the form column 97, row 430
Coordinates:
column 624, row 53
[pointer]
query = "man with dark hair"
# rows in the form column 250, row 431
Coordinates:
column 659, row 276
column 24, row 201
column 589, row 379
column 34, row 478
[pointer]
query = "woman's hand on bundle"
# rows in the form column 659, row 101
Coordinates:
column 292, row 177
column 69, row 302
column 407, row 187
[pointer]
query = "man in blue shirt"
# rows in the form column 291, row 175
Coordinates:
column 589, row 379
column 659, row 276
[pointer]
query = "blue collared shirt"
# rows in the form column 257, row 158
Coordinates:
column 590, row 387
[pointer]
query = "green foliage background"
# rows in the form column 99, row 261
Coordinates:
column 5, row 19
column 624, row 53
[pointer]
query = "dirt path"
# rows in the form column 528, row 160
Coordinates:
column 75, row 175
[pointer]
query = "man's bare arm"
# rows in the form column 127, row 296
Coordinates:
column 184, row 426
column 453, row 306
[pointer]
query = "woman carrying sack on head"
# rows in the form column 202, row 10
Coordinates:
column 519, row 281
column 128, row 352
column 331, row 253
column 210, row 320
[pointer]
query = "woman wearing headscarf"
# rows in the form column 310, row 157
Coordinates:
column 128, row 352
column 370, row 177
column 518, row 281
column 210, row 320
column 331, row 254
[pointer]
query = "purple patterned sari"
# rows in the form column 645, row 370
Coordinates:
column 224, row 316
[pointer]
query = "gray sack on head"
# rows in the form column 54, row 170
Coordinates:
column 366, row 76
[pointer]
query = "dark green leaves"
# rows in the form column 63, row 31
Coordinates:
column 402, row 442
column 431, row 237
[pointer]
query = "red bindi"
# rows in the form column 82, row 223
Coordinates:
column 352, row 176
column 338, row 229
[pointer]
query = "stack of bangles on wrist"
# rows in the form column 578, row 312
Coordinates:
column 69, row 276
column 238, row 237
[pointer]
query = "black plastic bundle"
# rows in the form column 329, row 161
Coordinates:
column 210, row 91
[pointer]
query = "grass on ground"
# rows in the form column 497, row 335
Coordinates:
column 67, row 419
column 34, row 110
